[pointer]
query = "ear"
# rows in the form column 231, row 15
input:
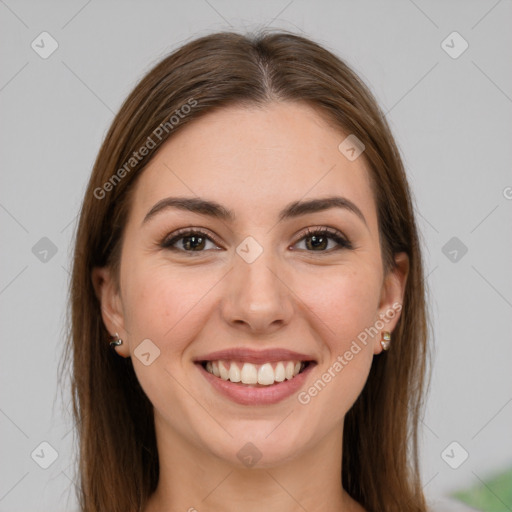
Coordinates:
column 392, row 295
column 111, row 306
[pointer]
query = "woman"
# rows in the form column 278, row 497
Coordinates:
column 248, row 315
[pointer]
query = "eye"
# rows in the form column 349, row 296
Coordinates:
column 317, row 240
column 192, row 240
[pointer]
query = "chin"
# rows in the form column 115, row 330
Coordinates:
column 259, row 445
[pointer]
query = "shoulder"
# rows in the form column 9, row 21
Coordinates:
column 449, row 505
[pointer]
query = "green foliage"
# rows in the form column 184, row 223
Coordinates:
column 493, row 495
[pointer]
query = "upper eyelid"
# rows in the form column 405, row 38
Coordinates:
column 183, row 232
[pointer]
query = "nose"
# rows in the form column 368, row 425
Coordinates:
column 258, row 300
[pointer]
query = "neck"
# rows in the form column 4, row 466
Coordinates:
column 191, row 479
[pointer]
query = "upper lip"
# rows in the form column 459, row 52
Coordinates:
column 248, row 355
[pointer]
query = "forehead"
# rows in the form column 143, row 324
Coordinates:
column 252, row 157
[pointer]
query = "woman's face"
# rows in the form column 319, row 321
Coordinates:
column 253, row 284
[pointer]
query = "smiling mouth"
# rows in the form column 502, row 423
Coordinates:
column 255, row 375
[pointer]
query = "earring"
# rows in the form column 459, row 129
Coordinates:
column 385, row 340
column 116, row 342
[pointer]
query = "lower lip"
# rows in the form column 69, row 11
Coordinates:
column 249, row 395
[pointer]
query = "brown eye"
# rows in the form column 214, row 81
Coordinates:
column 324, row 240
column 189, row 241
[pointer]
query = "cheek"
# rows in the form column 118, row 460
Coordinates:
column 171, row 307
column 346, row 308
column 346, row 302
column 164, row 306
column 167, row 308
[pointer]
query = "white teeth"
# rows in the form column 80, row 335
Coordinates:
column 234, row 373
column 224, row 373
column 279, row 372
column 264, row 374
column 249, row 374
column 288, row 370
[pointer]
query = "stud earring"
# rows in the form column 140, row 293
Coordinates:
column 118, row 341
column 385, row 340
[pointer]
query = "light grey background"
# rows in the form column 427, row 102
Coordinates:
column 452, row 120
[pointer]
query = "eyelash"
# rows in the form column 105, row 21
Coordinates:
column 341, row 240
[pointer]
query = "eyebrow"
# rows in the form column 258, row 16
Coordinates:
column 216, row 210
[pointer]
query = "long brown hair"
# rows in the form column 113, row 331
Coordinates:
column 118, row 461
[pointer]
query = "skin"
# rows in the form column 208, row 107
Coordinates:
column 253, row 161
